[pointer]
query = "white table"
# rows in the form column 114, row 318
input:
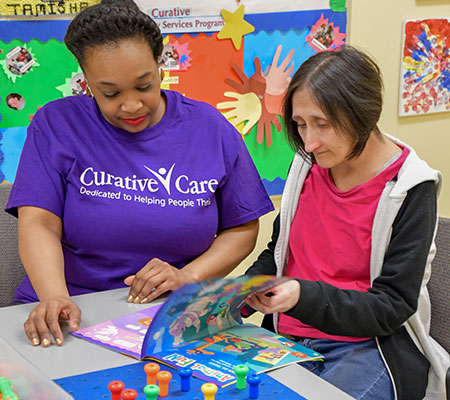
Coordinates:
column 70, row 359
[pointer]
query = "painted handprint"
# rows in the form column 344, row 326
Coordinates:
column 269, row 89
column 247, row 107
column 277, row 79
column 256, row 83
column 265, row 125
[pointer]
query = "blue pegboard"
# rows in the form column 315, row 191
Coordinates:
column 94, row 385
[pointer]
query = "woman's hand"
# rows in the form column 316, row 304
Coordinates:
column 283, row 297
column 44, row 320
column 154, row 279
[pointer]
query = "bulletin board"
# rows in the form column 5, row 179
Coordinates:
column 236, row 55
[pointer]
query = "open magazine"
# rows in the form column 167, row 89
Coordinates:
column 200, row 326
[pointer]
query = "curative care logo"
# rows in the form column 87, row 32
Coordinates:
column 160, row 179
column 165, row 181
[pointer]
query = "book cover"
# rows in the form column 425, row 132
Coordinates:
column 200, row 326
column 124, row 334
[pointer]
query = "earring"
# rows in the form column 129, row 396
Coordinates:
column 89, row 90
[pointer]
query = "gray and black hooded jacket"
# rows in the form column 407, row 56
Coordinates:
column 396, row 309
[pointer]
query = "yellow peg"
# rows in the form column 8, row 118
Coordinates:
column 209, row 390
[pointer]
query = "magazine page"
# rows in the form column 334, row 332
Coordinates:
column 202, row 309
column 124, row 334
column 214, row 357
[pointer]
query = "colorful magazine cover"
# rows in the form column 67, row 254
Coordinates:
column 200, row 326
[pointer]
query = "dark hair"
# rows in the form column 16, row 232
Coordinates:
column 347, row 86
column 110, row 22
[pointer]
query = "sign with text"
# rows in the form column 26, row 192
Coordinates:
column 37, row 8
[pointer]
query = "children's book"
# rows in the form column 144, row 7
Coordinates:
column 200, row 326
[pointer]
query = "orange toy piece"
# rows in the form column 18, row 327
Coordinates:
column 163, row 378
column 151, row 369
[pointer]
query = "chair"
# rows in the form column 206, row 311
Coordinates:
column 439, row 285
column 11, row 269
column 438, row 288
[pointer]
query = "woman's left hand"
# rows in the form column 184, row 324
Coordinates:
column 154, row 279
column 283, row 298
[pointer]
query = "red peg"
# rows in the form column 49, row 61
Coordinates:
column 151, row 369
column 129, row 394
column 115, row 387
column 163, row 378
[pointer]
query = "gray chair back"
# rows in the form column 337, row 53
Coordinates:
column 11, row 269
column 439, row 286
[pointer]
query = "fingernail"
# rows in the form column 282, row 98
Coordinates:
column 130, row 299
column 144, row 300
column 35, row 341
column 45, row 342
column 58, row 341
column 136, row 300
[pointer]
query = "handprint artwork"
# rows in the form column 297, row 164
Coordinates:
column 259, row 97
column 246, row 107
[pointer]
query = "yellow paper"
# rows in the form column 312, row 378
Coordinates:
column 235, row 26
column 247, row 107
column 36, row 8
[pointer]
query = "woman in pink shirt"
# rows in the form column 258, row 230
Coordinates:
column 356, row 235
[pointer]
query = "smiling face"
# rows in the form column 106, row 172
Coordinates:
column 124, row 79
column 329, row 147
column 13, row 102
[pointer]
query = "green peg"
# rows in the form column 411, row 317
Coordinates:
column 241, row 372
column 151, row 392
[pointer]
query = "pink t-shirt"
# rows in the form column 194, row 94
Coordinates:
column 330, row 239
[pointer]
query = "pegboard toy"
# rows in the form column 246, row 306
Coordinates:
column 253, row 381
column 241, row 372
column 116, row 387
column 151, row 391
column 163, row 378
column 209, row 390
column 94, row 385
column 185, row 374
column 151, row 369
column 6, row 393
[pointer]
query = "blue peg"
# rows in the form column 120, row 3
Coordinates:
column 185, row 378
column 253, row 381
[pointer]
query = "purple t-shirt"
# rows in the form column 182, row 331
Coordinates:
column 124, row 197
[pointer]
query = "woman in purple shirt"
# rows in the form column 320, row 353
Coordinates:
column 132, row 186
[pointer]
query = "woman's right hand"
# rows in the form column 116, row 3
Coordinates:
column 282, row 298
column 44, row 320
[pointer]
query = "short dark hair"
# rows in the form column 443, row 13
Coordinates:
column 110, row 22
column 347, row 86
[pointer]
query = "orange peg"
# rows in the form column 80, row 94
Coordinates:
column 163, row 378
column 151, row 369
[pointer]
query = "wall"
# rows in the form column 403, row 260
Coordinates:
column 376, row 26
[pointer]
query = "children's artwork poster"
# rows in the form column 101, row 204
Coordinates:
column 425, row 67
column 238, row 56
